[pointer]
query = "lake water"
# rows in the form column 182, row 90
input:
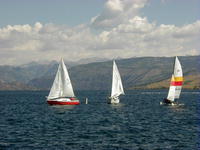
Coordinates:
column 137, row 123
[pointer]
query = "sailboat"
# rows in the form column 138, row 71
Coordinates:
column 61, row 92
column 117, row 87
column 175, row 84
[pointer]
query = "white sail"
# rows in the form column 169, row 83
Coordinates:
column 117, row 87
column 178, row 75
column 172, row 90
column 177, row 68
column 62, row 86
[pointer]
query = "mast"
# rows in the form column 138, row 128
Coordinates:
column 172, row 89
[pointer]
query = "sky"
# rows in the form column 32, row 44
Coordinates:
column 46, row 30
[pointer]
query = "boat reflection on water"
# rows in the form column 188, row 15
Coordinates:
column 117, row 106
column 60, row 109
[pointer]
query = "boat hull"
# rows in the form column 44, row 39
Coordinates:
column 113, row 100
column 64, row 101
column 168, row 102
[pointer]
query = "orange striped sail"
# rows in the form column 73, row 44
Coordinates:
column 177, row 81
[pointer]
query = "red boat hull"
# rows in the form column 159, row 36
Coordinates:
column 63, row 103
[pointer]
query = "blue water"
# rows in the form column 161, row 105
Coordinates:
column 137, row 123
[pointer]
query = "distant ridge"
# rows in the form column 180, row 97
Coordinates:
column 190, row 82
column 138, row 72
column 135, row 72
column 15, row 86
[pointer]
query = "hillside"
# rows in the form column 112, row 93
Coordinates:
column 143, row 72
column 190, row 82
column 14, row 86
column 135, row 72
column 25, row 73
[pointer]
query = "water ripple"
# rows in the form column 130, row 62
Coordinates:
column 137, row 123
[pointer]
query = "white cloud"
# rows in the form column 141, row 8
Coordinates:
column 123, row 34
column 116, row 12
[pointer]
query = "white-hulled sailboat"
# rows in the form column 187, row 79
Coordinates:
column 61, row 92
column 175, row 84
column 117, row 87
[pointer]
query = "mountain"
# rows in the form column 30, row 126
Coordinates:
column 25, row 73
column 143, row 72
column 190, row 82
column 14, row 86
column 91, row 60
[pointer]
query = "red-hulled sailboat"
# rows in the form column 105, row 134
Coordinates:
column 61, row 92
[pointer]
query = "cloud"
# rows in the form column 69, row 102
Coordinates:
column 123, row 33
column 44, row 42
column 116, row 12
column 137, row 37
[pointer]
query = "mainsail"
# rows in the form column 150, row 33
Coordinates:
column 176, row 81
column 172, row 90
column 62, row 86
column 117, row 87
column 178, row 77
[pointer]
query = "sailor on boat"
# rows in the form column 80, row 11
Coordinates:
column 166, row 101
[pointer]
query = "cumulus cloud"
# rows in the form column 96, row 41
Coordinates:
column 116, row 12
column 124, row 33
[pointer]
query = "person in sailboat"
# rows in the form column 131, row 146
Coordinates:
column 166, row 101
column 114, row 98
